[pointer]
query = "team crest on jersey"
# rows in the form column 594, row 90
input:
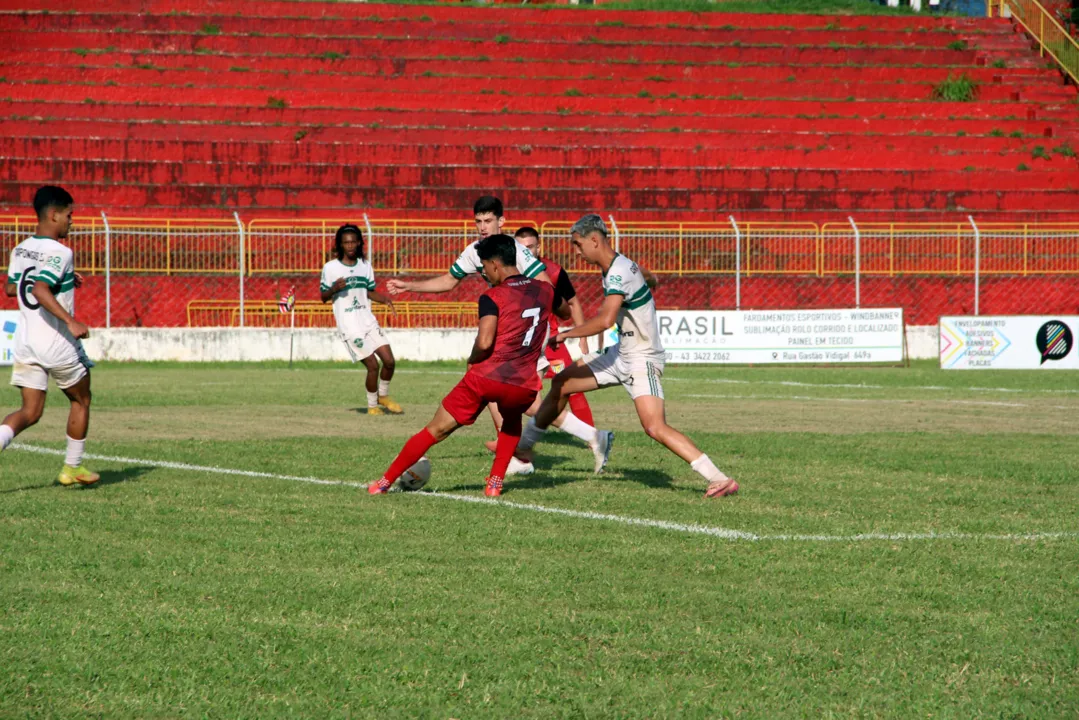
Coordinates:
column 54, row 261
column 558, row 366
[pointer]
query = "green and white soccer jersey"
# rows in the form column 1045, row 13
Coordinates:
column 468, row 263
column 351, row 307
column 636, row 361
column 43, row 345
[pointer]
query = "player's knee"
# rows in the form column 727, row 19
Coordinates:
column 389, row 364
column 31, row 415
column 654, row 429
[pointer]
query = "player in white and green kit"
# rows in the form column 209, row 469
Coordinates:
column 635, row 362
column 42, row 276
column 349, row 281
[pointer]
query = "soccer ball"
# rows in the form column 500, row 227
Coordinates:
column 414, row 478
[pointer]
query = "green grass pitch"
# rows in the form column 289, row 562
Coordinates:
column 171, row 592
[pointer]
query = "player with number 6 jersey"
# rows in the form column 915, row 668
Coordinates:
column 48, row 340
column 513, row 317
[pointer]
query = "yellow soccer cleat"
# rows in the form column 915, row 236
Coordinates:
column 77, row 476
column 375, row 411
column 389, row 403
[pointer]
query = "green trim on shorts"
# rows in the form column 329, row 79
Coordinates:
column 653, row 379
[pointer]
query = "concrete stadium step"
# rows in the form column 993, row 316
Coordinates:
column 241, row 78
column 276, row 199
column 511, row 35
column 741, row 173
column 606, row 18
column 356, row 101
column 408, row 47
column 444, row 67
column 837, row 151
column 250, row 124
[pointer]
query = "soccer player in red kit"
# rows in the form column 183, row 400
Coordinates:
column 502, row 367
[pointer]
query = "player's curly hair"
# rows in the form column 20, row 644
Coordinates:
column 339, row 237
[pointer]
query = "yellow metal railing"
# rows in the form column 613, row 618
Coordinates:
column 313, row 314
column 283, row 247
column 1052, row 39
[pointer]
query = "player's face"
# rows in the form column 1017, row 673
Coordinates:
column 350, row 245
column 492, row 271
column 530, row 242
column 584, row 246
column 62, row 218
column 488, row 224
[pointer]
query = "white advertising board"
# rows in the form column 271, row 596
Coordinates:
column 780, row 336
column 1009, row 342
column 9, row 323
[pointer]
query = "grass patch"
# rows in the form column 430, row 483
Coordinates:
column 956, row 89
column 276, row 102
column 210, row 29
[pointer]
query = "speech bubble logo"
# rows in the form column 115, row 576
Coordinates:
column 1054, row 340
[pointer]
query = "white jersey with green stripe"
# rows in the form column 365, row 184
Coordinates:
column 638, row 327
column 468, row 263
column 351, row 306
column 42, row 338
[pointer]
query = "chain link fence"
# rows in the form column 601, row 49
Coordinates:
column 198, row 273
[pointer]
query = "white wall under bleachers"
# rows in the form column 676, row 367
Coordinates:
column 256, row 344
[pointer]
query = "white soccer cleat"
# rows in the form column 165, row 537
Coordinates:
column 602, row 449
column 520, row 468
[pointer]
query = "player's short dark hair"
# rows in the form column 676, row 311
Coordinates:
column 339, row 237
column 488, row 204
column 498, row 247
column 526, row 231
column 51, row 196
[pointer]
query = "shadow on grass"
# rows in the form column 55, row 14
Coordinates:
column 108, row 477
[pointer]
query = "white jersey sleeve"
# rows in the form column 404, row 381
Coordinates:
column 638, row 326
column 468, row 262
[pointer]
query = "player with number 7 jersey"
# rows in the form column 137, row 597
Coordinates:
column 513, row 317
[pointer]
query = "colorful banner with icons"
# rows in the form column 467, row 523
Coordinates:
column 1009, row 342
column 9, row 324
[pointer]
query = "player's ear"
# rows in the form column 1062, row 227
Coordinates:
column 501, row 222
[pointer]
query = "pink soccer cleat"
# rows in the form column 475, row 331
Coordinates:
column 494, row 487
column 379, row 487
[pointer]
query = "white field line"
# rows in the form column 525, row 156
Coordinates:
column 692, row 528
column 866, row 386
column 891, row 401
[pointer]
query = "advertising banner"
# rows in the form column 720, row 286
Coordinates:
column 780, row 336
column 1009, row 342
column 9, row 323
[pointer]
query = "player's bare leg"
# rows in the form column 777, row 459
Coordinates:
column 371, row 385
column 78, row 424
column 33, row 405
column 442, row 425
column 652, row 413
column 389, row 365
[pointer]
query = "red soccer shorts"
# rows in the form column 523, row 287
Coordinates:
column 559, row 358
column 468, row 399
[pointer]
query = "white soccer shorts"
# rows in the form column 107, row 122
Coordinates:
column 36, row 377
column 638, row 377
column 362, row 347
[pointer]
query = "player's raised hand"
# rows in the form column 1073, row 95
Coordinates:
column 77, row 329
column 396, row 287
column 338, row 285
column 555, row 340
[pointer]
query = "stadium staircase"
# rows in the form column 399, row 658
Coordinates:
column 197, row 107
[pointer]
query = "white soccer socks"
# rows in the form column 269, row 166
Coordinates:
column 383, row 387
column 531, row 435
column 6, row 436
column 74, row 452
column 578, row 428
column 708, row 470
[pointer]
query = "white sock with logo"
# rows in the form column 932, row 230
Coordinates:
column 708, row 470
column 372, row 399
column 383, row 388
column 6, row 436
column 578, row 428
column 531, row 435
column 74, row 452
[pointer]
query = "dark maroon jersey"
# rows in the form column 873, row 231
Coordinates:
column 523, row 307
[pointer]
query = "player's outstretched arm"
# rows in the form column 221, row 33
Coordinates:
column 485, row 339
column 649, row 279
column 608, row 313
column 440, row 284
column 43, row 294
column 576, row 313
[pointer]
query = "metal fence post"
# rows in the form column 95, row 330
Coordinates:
column 614, row 226
column 737, row 264
column 370, row 241
column 977, row 264
column 240, row 227
column 108, row 270
column 857, row 264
